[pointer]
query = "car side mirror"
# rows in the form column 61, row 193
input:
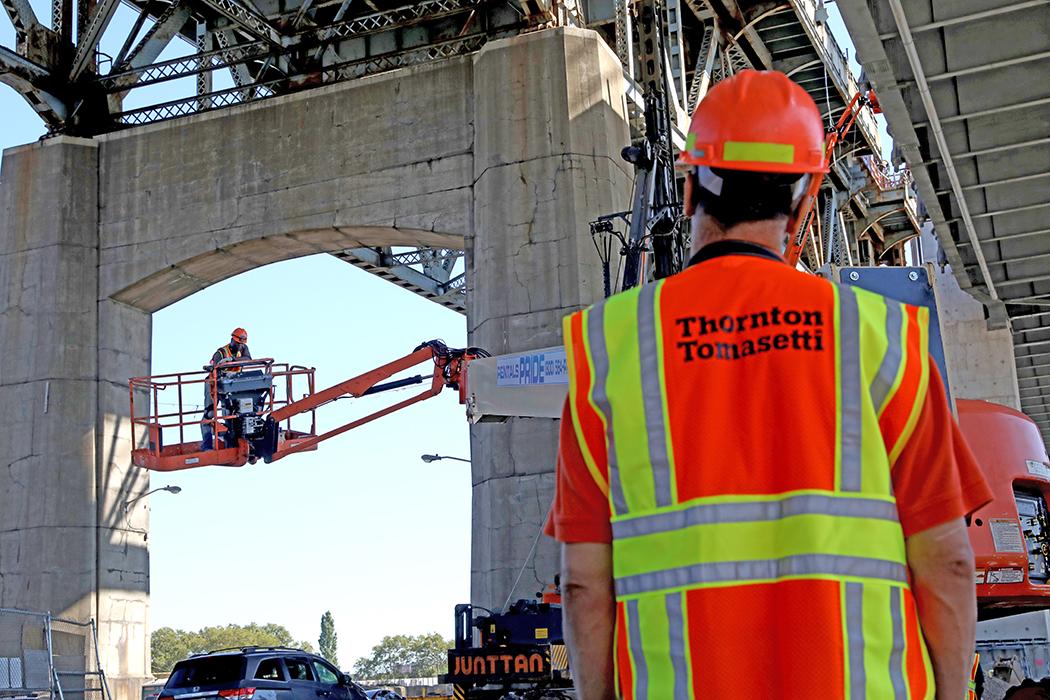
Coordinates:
column 344, row 679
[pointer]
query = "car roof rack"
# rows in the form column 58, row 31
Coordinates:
column 249, row 648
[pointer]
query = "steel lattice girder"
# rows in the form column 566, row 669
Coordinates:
column 267, row 88
column 147, row 73
column 397, row 268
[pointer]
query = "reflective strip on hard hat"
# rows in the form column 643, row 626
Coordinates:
column 757, row 152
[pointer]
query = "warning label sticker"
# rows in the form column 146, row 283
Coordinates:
column 1006, row 535
column 1038, row 468
column 1005, row 576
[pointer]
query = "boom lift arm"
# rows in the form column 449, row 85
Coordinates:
column 801, row 223
column 448, row 372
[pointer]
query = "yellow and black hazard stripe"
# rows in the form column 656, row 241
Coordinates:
column 558, row 656
column 459, row 692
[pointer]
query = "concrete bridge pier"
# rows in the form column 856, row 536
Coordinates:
column 66, row 545
column 549, row 121
column 514, row 152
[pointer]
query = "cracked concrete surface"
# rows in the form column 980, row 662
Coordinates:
column 64, row 355
column 549, row 131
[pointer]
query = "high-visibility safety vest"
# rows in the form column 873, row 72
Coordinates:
column 971, row 692
column 744, row 419
column 227, row 353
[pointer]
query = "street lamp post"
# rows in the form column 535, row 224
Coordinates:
column 170, row 489
column 434, row 458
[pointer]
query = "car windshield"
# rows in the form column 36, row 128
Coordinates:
column 214, row 670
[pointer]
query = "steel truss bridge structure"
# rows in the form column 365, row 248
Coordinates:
column 965, row 90
column 229, row 52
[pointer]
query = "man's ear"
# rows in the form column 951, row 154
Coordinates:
column 690, row 202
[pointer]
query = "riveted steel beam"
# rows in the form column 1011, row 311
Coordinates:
column 147, row 50
column 27, row 78
column 247, row 19
column 21, row 14
column 88, row 41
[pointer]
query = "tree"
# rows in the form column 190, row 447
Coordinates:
column 170, row 646
column 328, row 640
column 405, row 656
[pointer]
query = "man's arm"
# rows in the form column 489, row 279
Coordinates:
column 589, row 617
column 941, row 563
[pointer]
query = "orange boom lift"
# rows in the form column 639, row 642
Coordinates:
column 254, row 406
column 803, row 222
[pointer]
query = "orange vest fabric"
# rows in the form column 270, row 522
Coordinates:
column 226, row 353
column 748, row 417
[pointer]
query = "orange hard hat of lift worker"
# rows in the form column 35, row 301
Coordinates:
column 240, row 335
column 760, row 121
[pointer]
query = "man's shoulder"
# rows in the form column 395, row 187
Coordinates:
column 619, row 302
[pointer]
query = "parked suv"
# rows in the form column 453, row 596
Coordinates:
column 259, row 673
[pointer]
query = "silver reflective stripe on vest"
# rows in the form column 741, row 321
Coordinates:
column 676, row 634
column 641, row 671
column 600, row 394
column 900, row 691
column 891, row 361
column 755, row 511
column 855, row 639
column 733, row 572
column 652, row 394
column 850, row 399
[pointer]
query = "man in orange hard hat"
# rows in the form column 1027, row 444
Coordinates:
column 760, row 486
column 235, row 350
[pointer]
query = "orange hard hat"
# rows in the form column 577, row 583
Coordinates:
column 759, row 121
column 240, row 335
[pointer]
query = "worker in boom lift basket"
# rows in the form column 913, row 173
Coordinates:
column 760, row 486
column 236, row 349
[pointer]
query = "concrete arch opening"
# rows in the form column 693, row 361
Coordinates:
column 357, row 527
column 512, row 151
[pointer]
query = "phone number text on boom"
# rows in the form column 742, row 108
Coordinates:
column 533, row 369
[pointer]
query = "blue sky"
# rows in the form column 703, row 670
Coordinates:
column 361, row 527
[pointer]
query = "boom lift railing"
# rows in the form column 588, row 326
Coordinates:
column 170, row 390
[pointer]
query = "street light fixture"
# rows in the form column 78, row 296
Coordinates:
column 433, row 458
column 170, row 489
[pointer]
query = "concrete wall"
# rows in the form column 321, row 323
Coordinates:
column 510, row 153
column 980, row 359
column 65, row 543
column 539, row 181
column 385, row 160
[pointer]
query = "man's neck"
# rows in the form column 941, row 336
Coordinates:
column 771, row 234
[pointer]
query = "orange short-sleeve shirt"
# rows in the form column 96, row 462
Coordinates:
column 935, row 479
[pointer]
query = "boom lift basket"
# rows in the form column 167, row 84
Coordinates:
column 243, row 393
